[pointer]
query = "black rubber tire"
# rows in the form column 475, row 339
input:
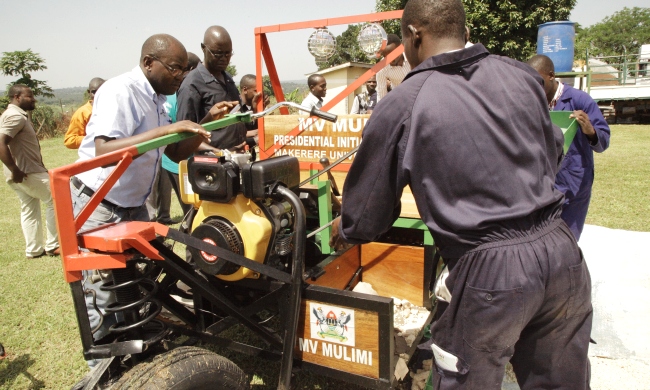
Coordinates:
column 184, row 368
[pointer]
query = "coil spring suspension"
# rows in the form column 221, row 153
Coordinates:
column 134, row 292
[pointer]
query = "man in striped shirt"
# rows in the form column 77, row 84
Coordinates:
column 392, row 75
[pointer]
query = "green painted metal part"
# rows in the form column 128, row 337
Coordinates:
column 412, row 223
column 228, row 120
column 312, row 172
column 324, row 214
column 324, row 211
column 568, row 125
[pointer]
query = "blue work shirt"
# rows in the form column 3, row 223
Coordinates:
column 576, row 175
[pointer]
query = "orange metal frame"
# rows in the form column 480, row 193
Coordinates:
column 115, row 240
column 263, row 53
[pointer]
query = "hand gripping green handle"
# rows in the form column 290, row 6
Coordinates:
column 228, row 120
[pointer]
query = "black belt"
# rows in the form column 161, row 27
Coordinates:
column 78, row 184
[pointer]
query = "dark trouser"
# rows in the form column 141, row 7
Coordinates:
column 252, row 143
column 526, row 300
column 173, row 178
column 93, row 279
column 162, row 199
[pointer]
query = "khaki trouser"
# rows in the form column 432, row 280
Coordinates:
column 34, row 189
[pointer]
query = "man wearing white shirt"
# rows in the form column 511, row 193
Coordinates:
column 317, row 91
column 128, row 110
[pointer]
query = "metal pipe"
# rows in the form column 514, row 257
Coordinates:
column 335, row 163
column 325, row 162
column 320, row 229
column 79, row 301
column 297, row 270
column 278, row 105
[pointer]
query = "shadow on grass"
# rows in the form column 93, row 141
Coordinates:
column 10, row 369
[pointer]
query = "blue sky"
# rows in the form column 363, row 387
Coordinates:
column 84, row 39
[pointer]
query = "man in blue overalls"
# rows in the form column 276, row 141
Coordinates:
column 576, row 175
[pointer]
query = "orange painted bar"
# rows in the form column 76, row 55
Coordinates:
column 273, row 74
column 102, row 191
column 259, row 81
column 75, row 263
column 342, row 167
column 373, row 17
column 122, row 236
column 62, row 196
column 260, row 85
column 303, row 25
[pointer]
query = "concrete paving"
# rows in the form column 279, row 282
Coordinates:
column 619, row 263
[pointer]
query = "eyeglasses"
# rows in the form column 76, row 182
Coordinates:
column 175, row 72
column 220, row 54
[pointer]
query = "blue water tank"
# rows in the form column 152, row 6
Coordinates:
column 556, row 40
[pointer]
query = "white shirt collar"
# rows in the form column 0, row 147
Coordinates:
column 556, row 97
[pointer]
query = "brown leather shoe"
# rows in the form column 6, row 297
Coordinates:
column 54, row 252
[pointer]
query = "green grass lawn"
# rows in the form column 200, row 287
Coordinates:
column 39, row 330
column 621, row 192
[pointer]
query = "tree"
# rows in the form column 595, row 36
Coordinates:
column 624, row 31
column 509, row 27
column 232, row 70
column 267, row 86
column 505, row 27
column 347, row 49
column 391, row 26
column 22, row 63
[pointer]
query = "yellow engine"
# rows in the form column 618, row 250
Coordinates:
column 255, row 228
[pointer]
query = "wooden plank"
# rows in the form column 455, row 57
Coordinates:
column 340, row 270
column 317, row 343
column 394, row 270
column 409, row 209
